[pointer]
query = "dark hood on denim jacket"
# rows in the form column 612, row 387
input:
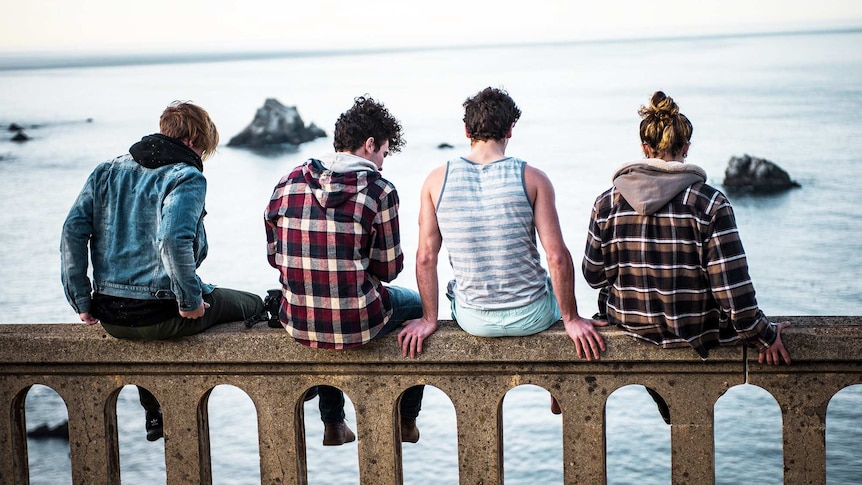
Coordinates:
column 157, row 150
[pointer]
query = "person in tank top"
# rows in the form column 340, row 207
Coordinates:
column 489, row 208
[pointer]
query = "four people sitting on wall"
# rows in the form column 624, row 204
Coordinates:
column 662, row 247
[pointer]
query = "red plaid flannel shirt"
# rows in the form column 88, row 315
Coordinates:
column 333, row 256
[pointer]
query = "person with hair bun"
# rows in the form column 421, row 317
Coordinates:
column 664, row 250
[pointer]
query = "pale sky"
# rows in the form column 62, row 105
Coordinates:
column 229, row 25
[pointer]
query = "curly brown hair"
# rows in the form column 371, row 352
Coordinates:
column 367, row 118
column 489, row 114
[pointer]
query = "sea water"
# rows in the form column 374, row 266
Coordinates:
column 793, row 99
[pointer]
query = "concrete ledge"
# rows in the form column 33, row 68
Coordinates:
column 809, row 339
column 88, row 368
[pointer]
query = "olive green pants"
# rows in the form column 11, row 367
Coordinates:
column 225, row 306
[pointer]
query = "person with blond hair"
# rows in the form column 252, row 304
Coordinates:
column 139, row 220
column 664, row 250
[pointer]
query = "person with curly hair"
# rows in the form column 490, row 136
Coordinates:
column 333, row 234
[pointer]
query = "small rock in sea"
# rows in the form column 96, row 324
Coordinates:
column 276, row 124
column 756, row 175
column 20, row 136
column 444, row 145
column 15, row 127
column 60, row 431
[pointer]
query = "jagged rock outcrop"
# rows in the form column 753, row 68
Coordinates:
column 20, row 136
column 756, row 175
column 60, row 431
column 276, row 124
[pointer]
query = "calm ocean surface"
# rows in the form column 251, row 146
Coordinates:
column 793, row 99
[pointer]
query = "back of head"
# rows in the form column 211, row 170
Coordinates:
column 367, row 119
column 185, row 121
column 663, row 128
column 490, row 114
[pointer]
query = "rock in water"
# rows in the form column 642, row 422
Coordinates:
column 756, row 174
column 20, row 136
column 60, row 431
column 276, row 124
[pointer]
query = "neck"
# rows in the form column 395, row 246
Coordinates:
column 487, row 151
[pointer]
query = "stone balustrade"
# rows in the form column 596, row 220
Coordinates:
column 88, row 369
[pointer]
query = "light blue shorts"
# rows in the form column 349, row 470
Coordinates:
column 511, row 322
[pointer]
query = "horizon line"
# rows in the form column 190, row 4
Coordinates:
column 69, row 59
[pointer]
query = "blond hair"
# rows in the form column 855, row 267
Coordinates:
column 185, row 121
column 663, row 128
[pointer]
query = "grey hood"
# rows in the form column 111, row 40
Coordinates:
column 336, row 178
column 647, row 185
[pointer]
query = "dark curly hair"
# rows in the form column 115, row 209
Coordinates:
column 489, row 114
column 367, row 118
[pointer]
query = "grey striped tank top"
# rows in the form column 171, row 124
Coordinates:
column 486, row 220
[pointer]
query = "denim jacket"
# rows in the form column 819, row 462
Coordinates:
column 144, row 227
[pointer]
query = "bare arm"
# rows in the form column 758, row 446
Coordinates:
column 430, row 241
column 588, row 342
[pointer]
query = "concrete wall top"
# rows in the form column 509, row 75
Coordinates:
column 809, row 339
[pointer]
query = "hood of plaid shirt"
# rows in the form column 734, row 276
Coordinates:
column 648, row 185
column 337, row 177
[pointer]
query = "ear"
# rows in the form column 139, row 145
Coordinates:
column 509, row 133
column 467, row 132
column 369, row 144
column 685, row 149
column 646, row 150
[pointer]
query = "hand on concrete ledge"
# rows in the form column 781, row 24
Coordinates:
column 88, row 318
column 587, row 340
column 775, row 352
column 410, row 338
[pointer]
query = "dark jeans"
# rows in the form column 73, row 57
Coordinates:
column 406, row 305
column 225, row 306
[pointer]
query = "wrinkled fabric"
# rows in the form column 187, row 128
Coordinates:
column 143, row 228
column 334, row 237
column 676, row 275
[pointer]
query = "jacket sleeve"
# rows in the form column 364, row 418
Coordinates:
column 182, row 209
column 74, row 241
column 272, row 214
column 593, row 265
column 386, row 259
column 730, row 283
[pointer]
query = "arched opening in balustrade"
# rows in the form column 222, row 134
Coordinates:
column 748, row 437
column 637, row 439
column 47, row 444
column 532, row 437
column 141, row 460
column 436, row 452
column 233, row 434
column 844, row 435
column 329, row 464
